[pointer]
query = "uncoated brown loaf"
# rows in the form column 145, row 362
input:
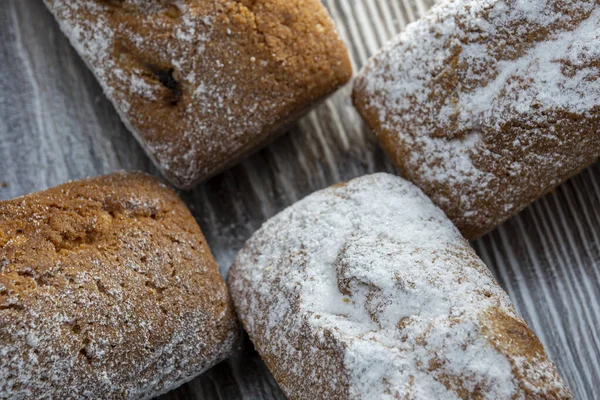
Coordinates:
column 488, row 104
column 201, row 83
column 107, row 290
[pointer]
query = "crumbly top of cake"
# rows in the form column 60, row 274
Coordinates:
column 480, row 96
column 200, row 82
column 371, row 277
column 107, row 290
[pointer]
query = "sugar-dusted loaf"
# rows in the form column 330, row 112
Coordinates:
column 367, row 291
column 488, row 104
column 108, row 290
column 201, row 83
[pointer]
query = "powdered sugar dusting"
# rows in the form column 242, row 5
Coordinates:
column 471, row 75
column 201, row 83
column 107, row 290
column 94, row 39
column 374, row 280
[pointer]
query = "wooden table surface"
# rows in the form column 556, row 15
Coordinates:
column 55, row 126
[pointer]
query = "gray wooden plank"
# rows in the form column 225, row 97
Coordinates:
column 55, row 125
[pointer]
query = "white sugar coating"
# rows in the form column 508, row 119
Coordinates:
column 381, row 270
column 451, row 87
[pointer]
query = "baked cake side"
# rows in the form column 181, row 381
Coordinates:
column 486, row 105
column 201, row 83
column 107, row 290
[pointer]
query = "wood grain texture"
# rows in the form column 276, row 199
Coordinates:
column 55, row 125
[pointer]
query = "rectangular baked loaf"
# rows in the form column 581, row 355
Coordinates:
column 488, row 104
column 201, row 83
column 108, row 290
column 366, row 291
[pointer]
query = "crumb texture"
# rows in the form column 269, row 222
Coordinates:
column 107, row 290
column 367, row 291
column 203, row 82
column 488, row 104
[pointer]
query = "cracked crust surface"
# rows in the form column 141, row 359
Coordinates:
column 203, row 82
column 487, row 105
column 107, row 290
column 367, row 291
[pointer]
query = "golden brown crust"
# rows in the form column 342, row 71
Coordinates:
column 203, row 82
column 513, row 337
column 107, row 289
